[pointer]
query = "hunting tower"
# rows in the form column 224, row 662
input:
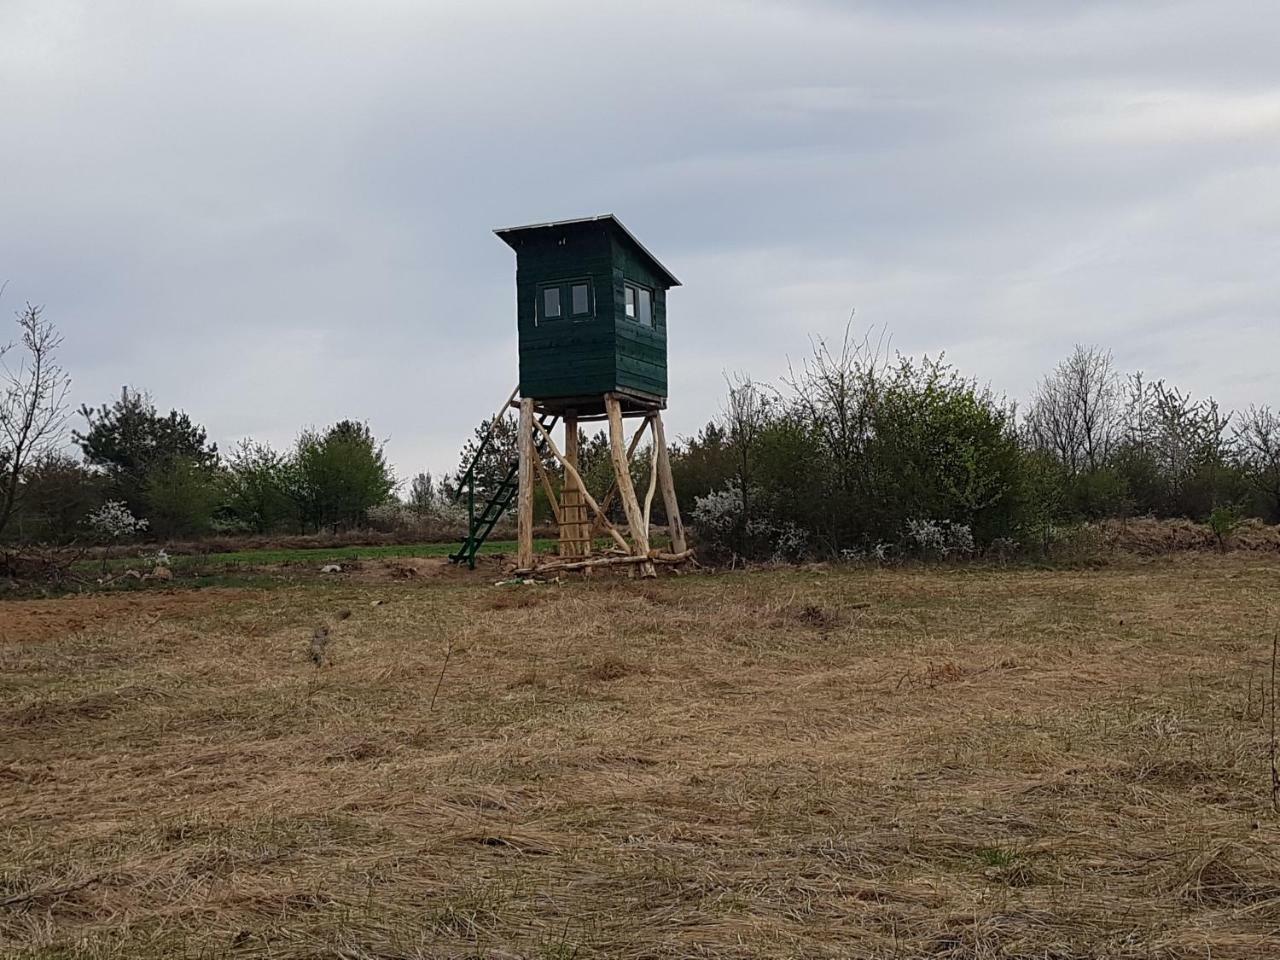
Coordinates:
column 591, row 308
column 591, row 314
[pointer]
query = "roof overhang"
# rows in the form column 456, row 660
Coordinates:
column 508, row 234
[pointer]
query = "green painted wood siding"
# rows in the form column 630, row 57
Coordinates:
column 641, row 354
column 607, row 351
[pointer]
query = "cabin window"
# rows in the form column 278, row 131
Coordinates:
column 551, row 303
column 565, row 298
column 639, row 304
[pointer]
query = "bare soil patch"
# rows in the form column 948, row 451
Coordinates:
column 29, row 620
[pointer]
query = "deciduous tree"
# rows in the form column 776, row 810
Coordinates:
column 33, row 404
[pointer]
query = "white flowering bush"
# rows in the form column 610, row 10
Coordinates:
column 790, row 543
column 437, row 519
column 158, row 559
column 113, row 521
column 718, row 520
column 719, row 511
column 878, row 553
column 389, row 516
column 940, row 538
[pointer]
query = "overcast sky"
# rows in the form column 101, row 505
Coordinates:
column 274, row 214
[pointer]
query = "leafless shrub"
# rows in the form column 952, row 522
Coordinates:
column 1076, row 413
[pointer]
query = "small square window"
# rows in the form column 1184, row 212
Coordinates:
column 631, row 302
column 645, row 312
column 581, row 299
column 551, row 302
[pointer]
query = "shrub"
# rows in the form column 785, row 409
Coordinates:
column 1083, row 544
column 113, row 522
column 181, row 496
column 1224, row 521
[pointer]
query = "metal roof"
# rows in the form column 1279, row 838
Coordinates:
column 505, row 232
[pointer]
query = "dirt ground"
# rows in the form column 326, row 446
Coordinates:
column 954, row 763
column 29, row 620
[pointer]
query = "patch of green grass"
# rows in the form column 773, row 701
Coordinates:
column 1013, row 868
column 998, row 857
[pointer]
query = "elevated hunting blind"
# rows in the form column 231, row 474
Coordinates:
column 591, row 308
column 591, row 311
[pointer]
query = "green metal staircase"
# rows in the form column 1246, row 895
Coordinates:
column 499, row 500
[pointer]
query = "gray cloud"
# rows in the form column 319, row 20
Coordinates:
column 274, row 214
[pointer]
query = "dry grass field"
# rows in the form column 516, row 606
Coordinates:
column 956, row 763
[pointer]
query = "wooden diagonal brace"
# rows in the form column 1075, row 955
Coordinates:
column 547, row 488
column 572, row 471
column 612, row 493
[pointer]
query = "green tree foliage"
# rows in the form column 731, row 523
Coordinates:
column 700, row 464
column 487, row 457
column 853, row 447
column 339, row 474
column 941, row 447
column 129, row 439
column 258, row 488
column 423, row 496
column 182, row 494
column 58, row 495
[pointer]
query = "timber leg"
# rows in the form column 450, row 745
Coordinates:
column 524, row 513
column 668, row 485
column 626, row 490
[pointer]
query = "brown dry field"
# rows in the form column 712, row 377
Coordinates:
column 945, row 763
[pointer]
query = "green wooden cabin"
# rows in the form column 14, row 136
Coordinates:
column 591, row 305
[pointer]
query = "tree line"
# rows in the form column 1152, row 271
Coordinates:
column 854, row 452
column 858, row 452
column 139, row 468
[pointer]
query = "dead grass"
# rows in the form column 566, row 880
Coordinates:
column 955, row 764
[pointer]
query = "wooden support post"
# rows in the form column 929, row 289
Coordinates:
column 668, row 486
column 627, row 490
column 524, row 515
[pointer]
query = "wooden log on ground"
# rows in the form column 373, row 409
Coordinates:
column 567, row 566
